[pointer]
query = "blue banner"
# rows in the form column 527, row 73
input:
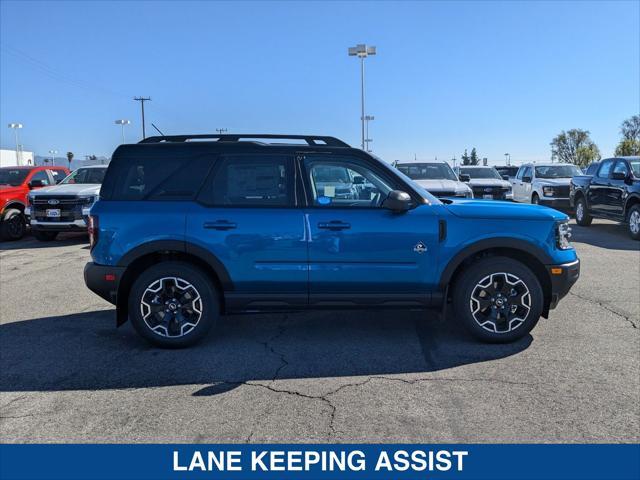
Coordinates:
column 282, row 462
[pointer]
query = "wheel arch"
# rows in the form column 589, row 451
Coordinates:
column 520, row 250
column 152, row 253
column 18, row 205
column 634, row 199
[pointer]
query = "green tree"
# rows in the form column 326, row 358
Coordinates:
column 630, row 141
column 473, row 158
column 574, row 146
column 69, row 158
column 465, row 158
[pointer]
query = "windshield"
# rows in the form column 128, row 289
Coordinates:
column 482, row 172
column 13, row 176
column 557, row 171
column 86, row 176
column 635, row 166
column 427, row 171
column 509, row 171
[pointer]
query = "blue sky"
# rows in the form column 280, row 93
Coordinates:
column 500, row 76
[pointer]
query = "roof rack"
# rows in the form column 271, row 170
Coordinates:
column 312, row 140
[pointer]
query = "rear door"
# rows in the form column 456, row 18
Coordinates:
column 359, row 252
column 615, row 190
column 247, row 216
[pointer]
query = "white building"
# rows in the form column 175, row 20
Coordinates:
column 8, row 158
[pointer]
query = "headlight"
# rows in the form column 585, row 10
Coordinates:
column 547, row 191
column 88, row 200
column 563, row 234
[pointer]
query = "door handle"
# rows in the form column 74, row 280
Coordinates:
column 334, row 225
column 220, row 225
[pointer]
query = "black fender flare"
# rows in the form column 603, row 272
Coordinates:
column 491, row 243
column 633, row 197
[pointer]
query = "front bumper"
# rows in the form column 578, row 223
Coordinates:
column 103, row 280
column 562, row 279
column 557, row 203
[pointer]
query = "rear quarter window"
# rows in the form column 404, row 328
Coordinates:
column 155, row 176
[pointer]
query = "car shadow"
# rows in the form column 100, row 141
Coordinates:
column 85, row 351
column 608, row 235
column 63, row 240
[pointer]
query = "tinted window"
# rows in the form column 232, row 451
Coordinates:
column 507, row 170
column 557, row 171
column 251, row 180
column 13, row 176
column 605, row 169
column 635, row 167
column 481, row 172
column 43, row 176
column 57, row 175
column 155, row 177
column 520, row 173
column 591, row 170
column 86, row 176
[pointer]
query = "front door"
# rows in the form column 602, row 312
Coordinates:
column 597, row 193
column 248, row 218
column 359, row 252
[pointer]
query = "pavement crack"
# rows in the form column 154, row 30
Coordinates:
column 607, row 308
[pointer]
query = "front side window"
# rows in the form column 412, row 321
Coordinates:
column 635, row 167
column 42, row 176
column 605, row 169
column 557, row 171
column 345, row 183
column 621, row 167
column 86, row 176
column 251, row 180
column 427, row 171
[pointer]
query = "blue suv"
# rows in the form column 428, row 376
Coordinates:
column 191, row 227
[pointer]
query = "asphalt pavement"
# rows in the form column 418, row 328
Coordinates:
column 68, row 375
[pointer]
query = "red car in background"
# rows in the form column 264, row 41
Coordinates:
column 15, row 184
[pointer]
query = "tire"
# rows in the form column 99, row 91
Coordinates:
column 159, row 311
column 512, row 288
column 13, row 225
column 45, row 236
column 633, row 222
column 535, row 199
column 582, row 214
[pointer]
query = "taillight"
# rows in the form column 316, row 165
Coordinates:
column 93, row 231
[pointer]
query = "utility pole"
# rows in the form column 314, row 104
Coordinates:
column 142, row 100
column 221, row 130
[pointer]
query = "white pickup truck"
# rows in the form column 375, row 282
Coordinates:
column 64, row 207
column 544, row 184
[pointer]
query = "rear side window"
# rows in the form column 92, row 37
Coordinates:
column 251, row 180
column 152, row 178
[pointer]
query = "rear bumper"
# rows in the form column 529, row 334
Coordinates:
column 103, row 280
column 562, row 279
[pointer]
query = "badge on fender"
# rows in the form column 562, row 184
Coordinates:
column 420, row 248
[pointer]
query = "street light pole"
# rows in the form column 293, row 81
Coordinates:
column 122, row 123
column 53, row 156
column 362, row 51
column 507, row 159
column 368, row 140
column 16, row 127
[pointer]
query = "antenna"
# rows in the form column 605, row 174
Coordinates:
column 157, row 129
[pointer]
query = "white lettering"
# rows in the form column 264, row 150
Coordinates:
column 197, row 462
column 176, row 464
column 256, row 461
column 459, row 456
column 383, row 462
column 444, row 464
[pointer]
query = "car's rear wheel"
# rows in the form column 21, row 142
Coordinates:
column 13, row 225
column 498, row 299
column 582, row 214
column 633, row 219
column 173, row 304
column 45, row 236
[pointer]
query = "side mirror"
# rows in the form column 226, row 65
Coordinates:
column 526, row 179
column 36, row 184
column 618, row 176
column 505, row 177
column 358, row 180
column 397, row 201
column 464, row 177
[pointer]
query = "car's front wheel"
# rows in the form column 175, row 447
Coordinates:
column 173, row 304
column 633, row 219
column 13, row 225
column 535, row 199
column 498, row 299
column 582, row 214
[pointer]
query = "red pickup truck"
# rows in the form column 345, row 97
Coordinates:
column 15, row 184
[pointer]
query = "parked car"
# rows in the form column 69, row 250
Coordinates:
column 185, row 231
column 544, row 183
column 612, row 192
column 65, row 207
column 507, row 170
column 15, row 184
column 485, row 182
column 438, row 178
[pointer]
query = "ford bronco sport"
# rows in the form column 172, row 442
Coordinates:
column 191, row 227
